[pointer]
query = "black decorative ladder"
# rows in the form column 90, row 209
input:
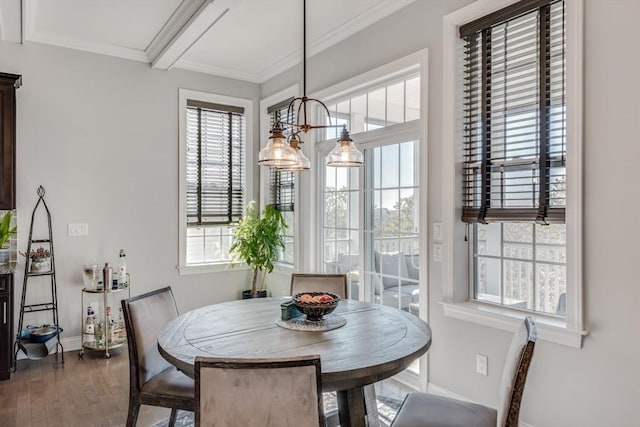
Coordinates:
column 38, row 350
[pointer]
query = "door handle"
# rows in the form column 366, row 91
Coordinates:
column 4, row 313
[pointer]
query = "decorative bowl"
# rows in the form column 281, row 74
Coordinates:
column 43, row 333
column 315, row 310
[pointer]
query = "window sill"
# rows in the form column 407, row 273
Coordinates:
column 549, row 329
column 210, row 268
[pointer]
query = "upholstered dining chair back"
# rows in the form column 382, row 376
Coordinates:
column 515, row 372
column 144, row 316
column 153, row 380
column 428, row 410
column 258, row 392
column 334, row 283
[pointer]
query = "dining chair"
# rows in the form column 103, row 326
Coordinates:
column 258, row 392
column 152, row 380
column 427, row 410
column 334, row 283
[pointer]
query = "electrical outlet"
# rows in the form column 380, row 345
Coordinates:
column 437, row 252
column 482, row 364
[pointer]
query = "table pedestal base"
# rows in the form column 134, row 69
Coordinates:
column 357, row 407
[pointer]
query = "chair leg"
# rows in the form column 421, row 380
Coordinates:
column 173, row 417
column 132, row 416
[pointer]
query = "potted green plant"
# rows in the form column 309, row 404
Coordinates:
column 255, row 242
column 6, row 231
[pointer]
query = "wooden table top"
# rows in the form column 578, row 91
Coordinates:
column 376, row 343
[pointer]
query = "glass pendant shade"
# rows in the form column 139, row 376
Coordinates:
column 277, row 152
column 302, row 162
column 345, row 153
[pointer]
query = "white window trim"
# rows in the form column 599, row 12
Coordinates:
column 417, row 61
column 265, row 127
column 455, row 289
column 247, row 104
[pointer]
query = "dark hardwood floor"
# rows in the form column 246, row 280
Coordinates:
column 84, row 392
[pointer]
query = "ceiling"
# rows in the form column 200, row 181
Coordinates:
column 252, row 40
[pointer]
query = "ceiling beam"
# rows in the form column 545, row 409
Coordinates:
column 190, row 21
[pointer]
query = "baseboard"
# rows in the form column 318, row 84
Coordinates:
column 441, row 391
column 69, row 344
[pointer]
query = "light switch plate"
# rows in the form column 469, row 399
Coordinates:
column 81, row 229
column 437, row 231
column 482, row 362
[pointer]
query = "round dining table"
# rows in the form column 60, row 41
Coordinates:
column 376, row 342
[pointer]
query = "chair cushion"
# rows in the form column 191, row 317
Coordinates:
column 173, row 385
column 405, row 290
column 391, row 264
column 392, row 298
column 427, row 410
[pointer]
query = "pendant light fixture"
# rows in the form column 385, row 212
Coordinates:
column 278, row 153
column 287, row 155
column 345, row 153
column 302, row 162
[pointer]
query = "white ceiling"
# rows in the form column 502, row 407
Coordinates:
column 251, row 40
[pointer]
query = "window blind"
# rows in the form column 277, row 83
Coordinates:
column 281, row 183
column 514, row 114
column 215, row 163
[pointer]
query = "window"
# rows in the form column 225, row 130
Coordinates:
column 519, row 191
column 393, row 103
column 391, row 195
column 515, row 156
column 370, row 224
column 282, row 188
column 213, row 175
column 392, row 228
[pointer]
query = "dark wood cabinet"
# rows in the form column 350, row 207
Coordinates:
column 8, row 85
column 6, row 325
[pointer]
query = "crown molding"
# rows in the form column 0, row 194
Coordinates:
column 78, row 44
column 30, row 14
column 356, row 24
column 188, row 23
column 324, row 42
column 217, row 71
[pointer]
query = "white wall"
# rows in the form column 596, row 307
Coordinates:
column 80, row 133
column 101, row 135
column 593, row 386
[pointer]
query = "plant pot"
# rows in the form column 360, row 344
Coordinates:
column 40, row 265
column 248, row 295
column 5, row 258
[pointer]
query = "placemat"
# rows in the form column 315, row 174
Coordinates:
column 328, row 322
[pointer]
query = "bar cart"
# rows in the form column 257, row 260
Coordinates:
column 108, row 331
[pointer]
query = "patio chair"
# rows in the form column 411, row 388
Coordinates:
column 152, row 380
column 425, row 410
column 258, row 392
